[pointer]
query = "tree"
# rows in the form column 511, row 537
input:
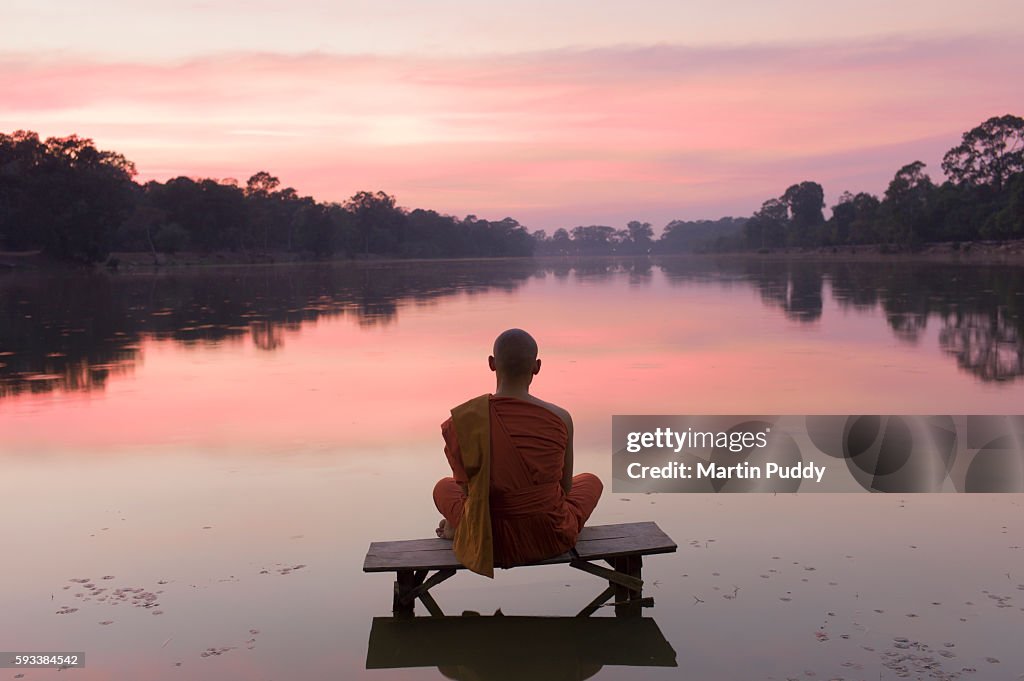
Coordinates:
column 376, row 219
column 908, row 199
column 314, row 232
column 62, row 195
column 1008, row 223
column 593, row 239
column 261, row 184
column 21, row 217
column 766, row 228
column 641, row 236
column 722, row 234
column 989, row 154
column 805, row 202
column 854, row 219
column 509, row 238
column 561, row 241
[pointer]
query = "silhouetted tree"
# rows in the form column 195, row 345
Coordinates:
column 62, row 195
column 1008, row 222
column 681, row 236
column 854, row 219
column 908, row 201
column 989, row 154
column 261, row 184
column 593, row 239
column 640, row 236
column 561, row 241
column 376, row 219
column 766, row 228
column 805, row 202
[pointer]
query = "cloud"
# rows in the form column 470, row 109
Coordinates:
column 540, row 134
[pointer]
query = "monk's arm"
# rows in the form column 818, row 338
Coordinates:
column 454, row 454
column 567, row 466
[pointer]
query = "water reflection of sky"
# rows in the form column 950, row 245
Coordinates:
column 323, row 365
column 215, row 463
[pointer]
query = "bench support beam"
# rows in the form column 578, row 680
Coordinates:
column 427, row 585
column 411, row 585
column 616, row 576
column 625, row 584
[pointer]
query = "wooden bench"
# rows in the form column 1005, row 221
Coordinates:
column 621, row 546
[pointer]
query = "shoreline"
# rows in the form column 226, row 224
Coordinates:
column 1010, row 253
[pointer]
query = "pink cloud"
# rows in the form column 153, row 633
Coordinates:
column 656, row 132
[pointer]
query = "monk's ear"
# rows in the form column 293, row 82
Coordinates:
column 536, row 367
column 491, row 364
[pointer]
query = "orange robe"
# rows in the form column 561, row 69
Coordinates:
column 532, row 518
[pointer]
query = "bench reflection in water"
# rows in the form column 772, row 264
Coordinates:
column 479, row 648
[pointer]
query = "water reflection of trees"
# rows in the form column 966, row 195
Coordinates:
column 989, row 346
column 75, row 331
column 796, row 291
column 980, row 309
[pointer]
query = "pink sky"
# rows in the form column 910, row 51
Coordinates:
column 655, row 121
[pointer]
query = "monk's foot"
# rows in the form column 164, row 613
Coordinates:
column 445, row 530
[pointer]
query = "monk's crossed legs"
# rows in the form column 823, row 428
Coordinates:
column 450, row 497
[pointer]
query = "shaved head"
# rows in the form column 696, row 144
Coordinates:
column 515, row 353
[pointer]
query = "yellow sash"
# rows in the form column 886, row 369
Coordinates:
column 473, row 545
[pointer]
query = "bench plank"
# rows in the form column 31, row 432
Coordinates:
column 439, row 559
column 647, row 528
column 597, row 542
column 624, row 546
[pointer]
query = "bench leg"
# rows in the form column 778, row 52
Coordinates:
column 412, row 585
column 401, row 605
column 629, row 602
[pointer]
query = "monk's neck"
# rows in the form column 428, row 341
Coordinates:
column 518, row 389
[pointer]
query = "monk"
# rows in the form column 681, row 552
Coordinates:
column 512, row 498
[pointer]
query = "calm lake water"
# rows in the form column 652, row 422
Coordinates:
column 222, row 445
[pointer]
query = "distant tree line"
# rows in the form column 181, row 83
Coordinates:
column 982, row 199
column 75, row 202
column 678, row 236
